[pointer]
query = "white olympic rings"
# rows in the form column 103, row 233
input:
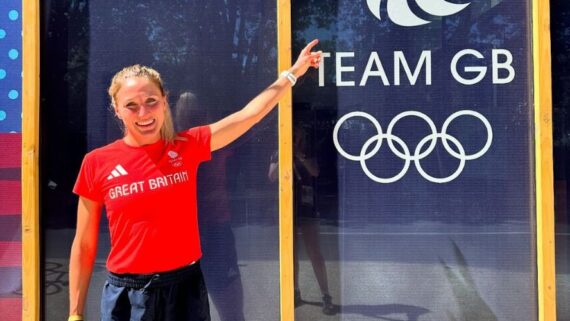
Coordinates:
column 418, row 154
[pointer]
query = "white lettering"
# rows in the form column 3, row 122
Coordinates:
column 480, row 69
column 152, row 184
column 507, row 65
column 161, row 182
column 374, row 60
column 340, row 69
column 126, row 189
column 136, row 187
column 400, row 59
column 501, row 64
column 166, row 180
column 119, row 191
column 322, row 68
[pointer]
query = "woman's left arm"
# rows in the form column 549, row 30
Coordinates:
column 233, row 126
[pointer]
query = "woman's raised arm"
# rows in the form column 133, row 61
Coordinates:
column 233, row 126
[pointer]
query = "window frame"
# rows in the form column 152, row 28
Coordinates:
column 543, row 162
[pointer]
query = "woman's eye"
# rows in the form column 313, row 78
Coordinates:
column 131, row 106
column 151, row 101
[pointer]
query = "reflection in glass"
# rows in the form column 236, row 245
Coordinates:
column 314, row 204
column 560, row 33
column 219, row 261
column 307, row 224
column 212, row 55
column 414, row 249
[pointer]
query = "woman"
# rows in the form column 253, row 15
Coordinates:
column 147, row 181
column 306, row 219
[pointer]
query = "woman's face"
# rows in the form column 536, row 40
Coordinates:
column 141, row 106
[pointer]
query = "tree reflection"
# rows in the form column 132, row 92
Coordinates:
column 223, row 50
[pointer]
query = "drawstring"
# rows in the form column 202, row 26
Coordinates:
column 145, row 281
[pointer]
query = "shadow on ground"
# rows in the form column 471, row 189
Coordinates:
column 380, row 311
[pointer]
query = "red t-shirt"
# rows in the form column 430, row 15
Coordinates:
column 149, row 193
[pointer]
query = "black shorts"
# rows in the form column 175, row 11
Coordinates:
column 178, row 295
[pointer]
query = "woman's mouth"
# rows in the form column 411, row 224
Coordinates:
column 146, row 123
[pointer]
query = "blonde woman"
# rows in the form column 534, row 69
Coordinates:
column 147, row 183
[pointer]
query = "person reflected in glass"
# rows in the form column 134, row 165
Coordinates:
column 219, row 261
column 306, row 227
column 147, row 183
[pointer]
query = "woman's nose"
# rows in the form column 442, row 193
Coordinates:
column 144, row 109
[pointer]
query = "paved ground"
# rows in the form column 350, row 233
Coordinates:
column 392, row 275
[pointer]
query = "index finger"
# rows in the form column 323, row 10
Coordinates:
column 310, row 46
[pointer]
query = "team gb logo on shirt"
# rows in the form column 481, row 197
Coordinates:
column 401, row 14
column 175, row 159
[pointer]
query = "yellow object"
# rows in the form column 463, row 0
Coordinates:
column 285, row 166
column 75, row 317
column 546, row 272
column 30, row 160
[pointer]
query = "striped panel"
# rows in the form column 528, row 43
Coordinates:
column 11, row 145
column 10, row 197
column 10, row 228
column 10, row 160
column 10, row 174
column 11, row 308
column 11, row 285
column 10, row 254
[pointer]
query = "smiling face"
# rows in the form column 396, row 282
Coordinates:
column 141, row 106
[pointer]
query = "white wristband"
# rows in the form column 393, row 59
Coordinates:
column 289, row 75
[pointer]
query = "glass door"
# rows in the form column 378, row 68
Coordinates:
column 560, row 11
column 413, row 148
column 214, row 57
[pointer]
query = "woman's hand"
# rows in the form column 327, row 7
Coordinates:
column 307, row 58
column 233, row 126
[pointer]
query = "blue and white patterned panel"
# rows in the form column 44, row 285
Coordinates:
column 10, row 66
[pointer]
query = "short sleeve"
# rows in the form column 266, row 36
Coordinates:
column 199, row 138
column 85, row 185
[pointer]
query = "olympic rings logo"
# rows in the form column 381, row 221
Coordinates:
column 418, row 155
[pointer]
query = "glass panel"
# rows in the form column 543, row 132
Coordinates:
column 214, row 57
column 560, row 33
column 422, row 207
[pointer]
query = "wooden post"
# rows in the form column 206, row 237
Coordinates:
column 544, row 161
column 285, row 167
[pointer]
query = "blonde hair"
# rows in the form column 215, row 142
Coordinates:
column 167, row 132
